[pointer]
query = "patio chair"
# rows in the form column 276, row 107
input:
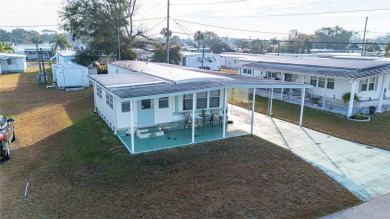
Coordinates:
column 188, row 121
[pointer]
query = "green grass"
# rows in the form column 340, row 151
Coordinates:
column 375, row 132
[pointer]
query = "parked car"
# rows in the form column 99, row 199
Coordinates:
column 7, row 135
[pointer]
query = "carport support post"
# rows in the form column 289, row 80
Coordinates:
column 253, row 109
column 302, row 105
column 326, row 87
column 281, row 91
column 352, row 98
column 193, row 116
column 132, row 125
column 224, row 113
column 270, row 107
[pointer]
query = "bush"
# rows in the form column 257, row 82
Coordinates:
column 359, row 116
column 346, row 97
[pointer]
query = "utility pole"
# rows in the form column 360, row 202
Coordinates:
column 364, row 37
column 119, row 46
column 167, row 33
column 39, row 61
column 43, row 68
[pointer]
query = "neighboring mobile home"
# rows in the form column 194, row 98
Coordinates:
column 152, row 106
column 211, row 61
column 330, row 78
column 10, row 63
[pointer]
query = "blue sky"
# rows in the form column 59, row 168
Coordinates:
column 247, row 15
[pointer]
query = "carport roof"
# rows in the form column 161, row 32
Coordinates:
column 336, row 68
column 138, row 85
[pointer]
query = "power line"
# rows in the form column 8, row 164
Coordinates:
column 210, row 3
column 229, row 28
column 40, row 25
column 296, row 14
column 157, row 24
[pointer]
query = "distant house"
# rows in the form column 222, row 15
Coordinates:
column 10, row 63
column 154, row 106
column 330, row 78
column 211, row 61
column 30, row 51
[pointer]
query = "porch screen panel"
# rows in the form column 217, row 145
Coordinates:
column 214, row 98
column 201, row 100
column 187, row 102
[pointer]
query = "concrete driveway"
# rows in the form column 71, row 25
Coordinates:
column 362, row 169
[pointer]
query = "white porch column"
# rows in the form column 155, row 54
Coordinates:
column 132, row 125
column 352, row 98
column 270, row 107
column 193, row 116
column 281, row 91
column 379, row 109
column 302, row 105
column 253, row 109
column 303, row 79
column 323, row 99
column 224, row 113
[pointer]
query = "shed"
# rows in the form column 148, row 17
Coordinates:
column 71, row 75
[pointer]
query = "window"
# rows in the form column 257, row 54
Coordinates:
column 187, row 102
column 287, row 77
column 9, row 61
column 214, row 98
column 247, row 71
column 109, row 100
column 146, row 104
column 321, row 82
column 163, row 102
column 363, row 86
column 201, row 100
column 371, row 85
column 330, row 84
column 313, row 81
column 125, row 107
column 99, row 91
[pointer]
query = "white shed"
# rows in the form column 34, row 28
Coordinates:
column 10, row 63
column 72, row 75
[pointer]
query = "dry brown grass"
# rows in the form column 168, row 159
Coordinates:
column 77, row 169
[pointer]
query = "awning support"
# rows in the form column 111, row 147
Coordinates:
column 132, row 125
column 224, row 113
column 352, row 98
column 253, row 109
column 302, row 105
column 193, row 116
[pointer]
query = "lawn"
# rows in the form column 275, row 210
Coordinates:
column 76, row 168
column 375, row 132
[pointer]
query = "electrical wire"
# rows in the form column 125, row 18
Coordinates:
column 211, row 3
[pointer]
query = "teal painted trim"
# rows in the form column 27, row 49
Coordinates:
column 125, row 145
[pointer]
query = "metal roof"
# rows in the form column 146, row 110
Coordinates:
column 337, row 68
column 141, row 85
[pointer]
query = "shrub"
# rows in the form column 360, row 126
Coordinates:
column 346, row 97
column 359, row 116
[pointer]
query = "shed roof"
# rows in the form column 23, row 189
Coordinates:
column 138, row 85
column 337, row 68
column 66, row 53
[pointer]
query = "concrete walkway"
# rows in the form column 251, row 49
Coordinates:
column 362, row 169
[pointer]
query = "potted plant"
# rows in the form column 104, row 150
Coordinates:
column 347, row 96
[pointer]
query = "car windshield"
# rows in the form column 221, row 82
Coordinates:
column 3, row 122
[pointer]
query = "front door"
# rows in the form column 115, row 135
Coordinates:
column 145, row 112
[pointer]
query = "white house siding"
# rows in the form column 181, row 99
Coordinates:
column 113, row 69
column 211, row 61
column 18, row 64
column 105, row 111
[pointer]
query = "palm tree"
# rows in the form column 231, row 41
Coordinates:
column 198, row 37
column 6, row 47
column 60, row 41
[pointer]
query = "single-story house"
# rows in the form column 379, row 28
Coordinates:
column 211, row 61
column 153, row 106
column 30, row 50
column 330, row 78
column 71, row 75
column 10, row 62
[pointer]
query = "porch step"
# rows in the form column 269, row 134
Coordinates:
column 149, row 132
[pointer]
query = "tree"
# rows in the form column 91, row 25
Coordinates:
column 217, row 48
column 374, row 47
column 274, row 42
column 211, row 38
column 160, row 54
column 6, row 47
column 337, row 37
column 243, row 44
column 387, row 50
column 47, row 35
column 198, row 37
column 101, row 23
column 60, row 41
column 86, row 57
column 19, row 36
column 5, row 36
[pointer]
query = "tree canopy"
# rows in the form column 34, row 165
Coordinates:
column 60, row 41
column 101, row 22
column 160, row 54
column 338, row 35
column 5, row 47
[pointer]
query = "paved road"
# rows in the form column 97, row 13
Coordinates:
column 362, row 169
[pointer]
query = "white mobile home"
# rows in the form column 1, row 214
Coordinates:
column 152, row 106
column 330, row 78
column 10, row 63
column 210, row 61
